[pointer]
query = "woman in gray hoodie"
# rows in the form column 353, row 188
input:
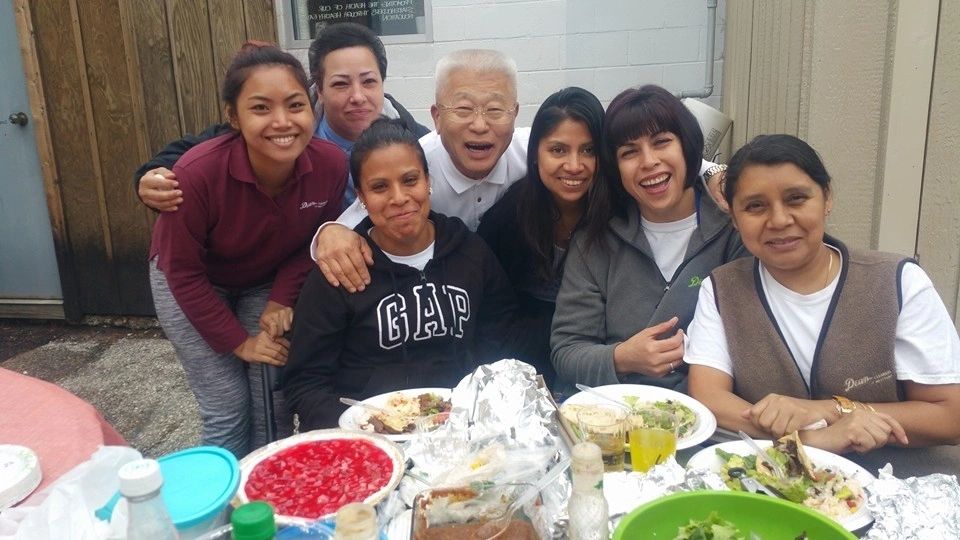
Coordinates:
column 632, row 276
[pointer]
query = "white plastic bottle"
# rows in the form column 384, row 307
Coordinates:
column 587, row 509
column 356, row 521
column 147, row 516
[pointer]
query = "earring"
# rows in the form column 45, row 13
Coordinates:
column 430, row 190
column 363, row 205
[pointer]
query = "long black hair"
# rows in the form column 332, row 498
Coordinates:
column 634, row 113
column 537, row 211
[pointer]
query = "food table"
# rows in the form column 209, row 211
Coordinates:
column 504, row 428
column 62, row 429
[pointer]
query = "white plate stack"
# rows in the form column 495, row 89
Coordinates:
column 19, row 474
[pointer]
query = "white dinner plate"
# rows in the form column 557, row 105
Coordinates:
column 703, row 428
column 353, row 418
column 708, row 459
column 397, row 460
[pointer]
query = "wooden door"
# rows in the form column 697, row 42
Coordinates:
column 120, row 79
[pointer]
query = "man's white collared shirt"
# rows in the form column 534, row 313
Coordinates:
column 454, row 194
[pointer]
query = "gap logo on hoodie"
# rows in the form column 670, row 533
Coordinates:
column 428, row 319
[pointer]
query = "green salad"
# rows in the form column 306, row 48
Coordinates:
column 716, row 528
column 712, row 528
column 824, row 489
column 686, row 416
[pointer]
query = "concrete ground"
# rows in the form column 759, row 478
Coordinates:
column 130, row 374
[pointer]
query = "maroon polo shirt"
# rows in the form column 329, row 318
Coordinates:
column 228, row 233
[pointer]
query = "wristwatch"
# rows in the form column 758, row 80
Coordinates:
column 845, row 405
column 712, row 170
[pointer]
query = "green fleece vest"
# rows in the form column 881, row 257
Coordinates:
column 854, row 354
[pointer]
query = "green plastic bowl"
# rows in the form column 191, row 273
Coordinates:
column 769, row 518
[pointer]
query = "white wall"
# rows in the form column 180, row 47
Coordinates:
column 601, row 45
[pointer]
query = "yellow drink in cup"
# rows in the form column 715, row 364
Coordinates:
column 605, row 427
column 653, row 437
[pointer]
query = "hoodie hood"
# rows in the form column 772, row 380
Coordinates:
column 451, row 233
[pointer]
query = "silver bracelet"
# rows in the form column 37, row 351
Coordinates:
column 712, row 170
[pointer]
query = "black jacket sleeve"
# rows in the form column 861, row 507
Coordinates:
column 172, row 152
column 319, row 329
column 497, row 331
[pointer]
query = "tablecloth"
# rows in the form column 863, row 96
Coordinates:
column 61, row 428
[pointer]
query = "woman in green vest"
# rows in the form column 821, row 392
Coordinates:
column 808, row 331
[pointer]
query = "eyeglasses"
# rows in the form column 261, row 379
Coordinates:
column 464, row 114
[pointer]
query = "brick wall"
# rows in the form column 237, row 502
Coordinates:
column 601, row 45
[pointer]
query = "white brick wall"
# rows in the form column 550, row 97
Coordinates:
column 601, row 45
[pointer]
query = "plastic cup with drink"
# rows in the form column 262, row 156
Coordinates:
column 605, row 427
column 653, row 437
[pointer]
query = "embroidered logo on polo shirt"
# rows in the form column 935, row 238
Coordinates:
column 695, row 281
column 312, row 204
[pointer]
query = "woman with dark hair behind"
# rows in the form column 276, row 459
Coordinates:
column 438, row 303
column 530, row 228
column 808, row 330
column 226, row 269
column 651, row 235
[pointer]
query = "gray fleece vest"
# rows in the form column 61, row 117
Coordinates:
column 854, row 354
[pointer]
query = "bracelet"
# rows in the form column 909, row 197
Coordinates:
column 845, row 405
column 712, row 170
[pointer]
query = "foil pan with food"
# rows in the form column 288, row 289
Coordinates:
column 501, row 429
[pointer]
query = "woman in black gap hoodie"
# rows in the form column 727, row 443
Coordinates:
column 438, row 303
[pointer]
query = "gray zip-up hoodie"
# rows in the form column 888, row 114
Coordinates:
column 608, row 295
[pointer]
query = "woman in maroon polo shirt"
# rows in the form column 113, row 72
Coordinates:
column 227, row 268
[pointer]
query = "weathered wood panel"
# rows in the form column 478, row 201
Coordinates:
column 116, row 138
column 61, row 60
column 118, row 80
column 228, row 33
column 157, row 86
column 193, row 63
column 260, row 20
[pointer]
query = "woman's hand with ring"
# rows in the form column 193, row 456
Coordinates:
column 645, row 353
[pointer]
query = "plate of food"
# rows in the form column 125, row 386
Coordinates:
column 402, row 409
column 311, row 475
column 697, row 423
column 815, row 478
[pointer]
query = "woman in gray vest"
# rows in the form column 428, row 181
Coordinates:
column 809, row 331
column 651, row 235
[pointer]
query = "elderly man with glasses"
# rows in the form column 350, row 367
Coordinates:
column 474, row 155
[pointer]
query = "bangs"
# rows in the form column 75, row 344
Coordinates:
column 633, row 118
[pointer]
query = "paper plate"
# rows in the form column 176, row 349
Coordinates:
column 355, row 417
column 19, row 474
column 703, row 428
column 708, row 459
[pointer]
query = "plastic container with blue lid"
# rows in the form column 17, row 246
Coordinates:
column 198, row 485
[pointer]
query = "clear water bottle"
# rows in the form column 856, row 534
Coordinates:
column 356, row 521
column 147, row 517
column 253, row 521
column 587, row 509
